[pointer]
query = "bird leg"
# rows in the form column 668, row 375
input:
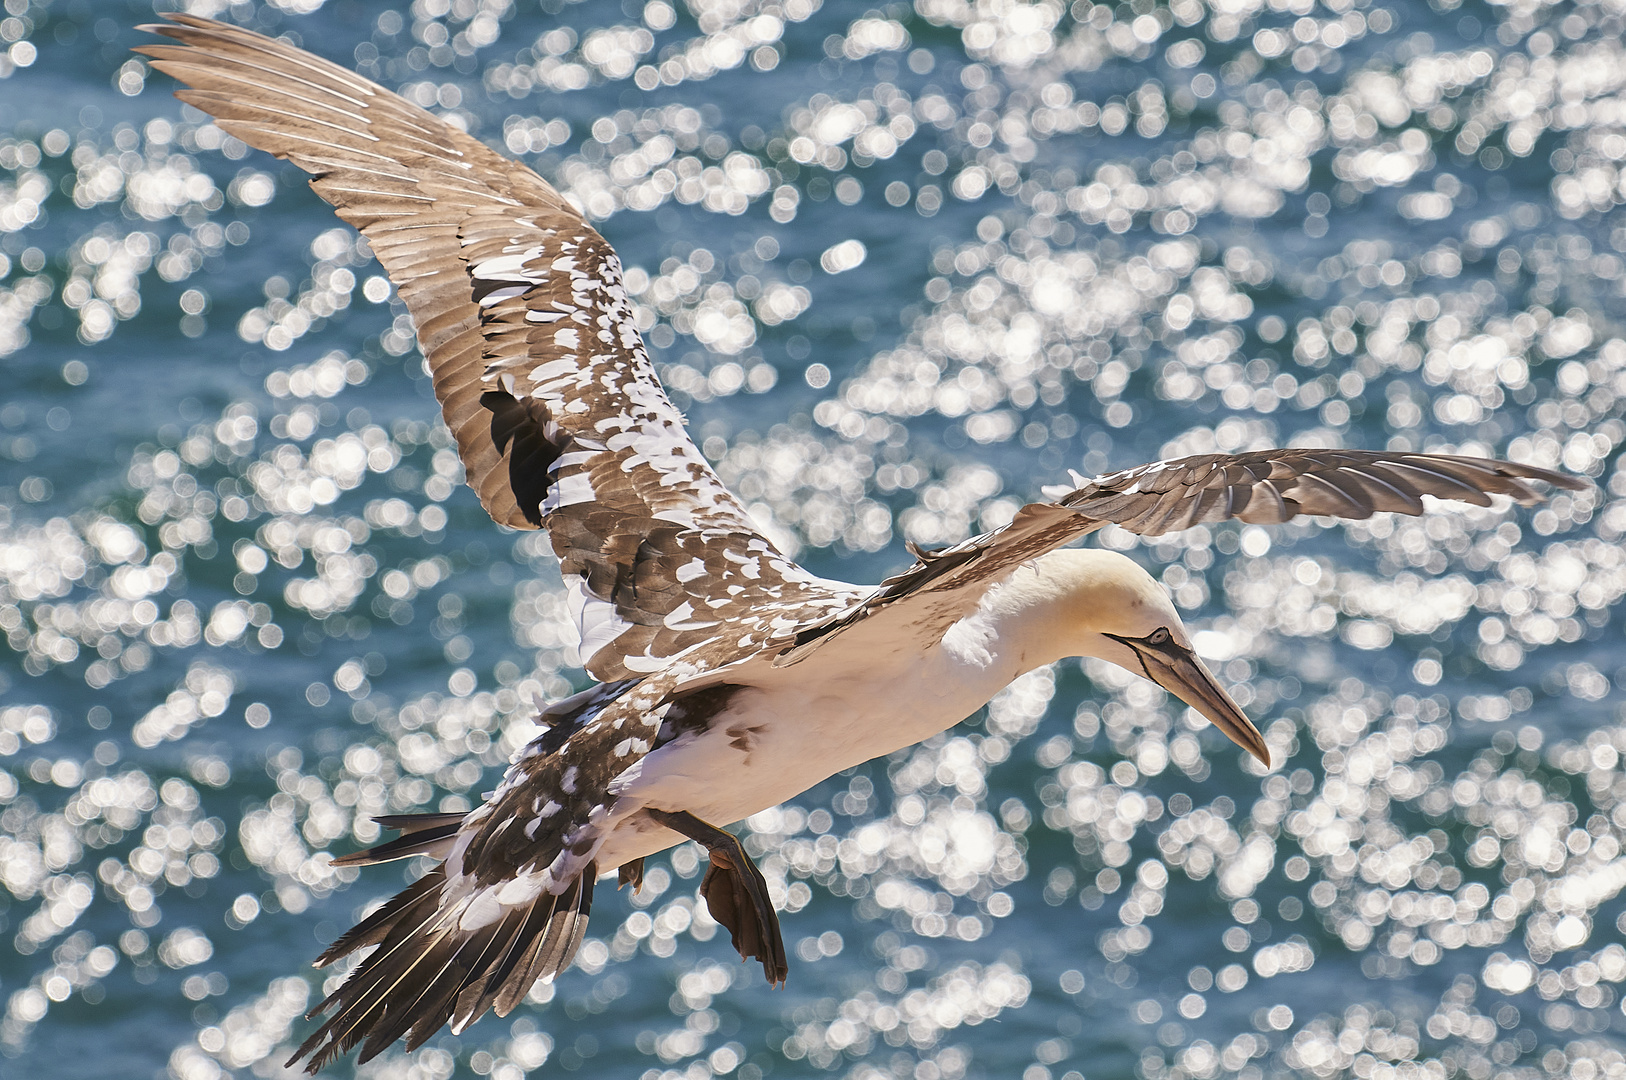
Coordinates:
column 631, row 874
column 736, row 892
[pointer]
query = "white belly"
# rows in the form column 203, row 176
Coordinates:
column 800, row 726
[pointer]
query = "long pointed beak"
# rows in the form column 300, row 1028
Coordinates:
column 1176, row 669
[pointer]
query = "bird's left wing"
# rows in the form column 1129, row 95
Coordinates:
column 1263, row 487
column 532, row 343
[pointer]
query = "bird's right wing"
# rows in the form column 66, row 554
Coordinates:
column 536, row 357
column 1262, row 487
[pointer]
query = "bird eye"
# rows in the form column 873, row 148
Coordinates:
column 1160, row 636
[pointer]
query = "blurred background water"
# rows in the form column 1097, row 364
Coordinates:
column 902, row 267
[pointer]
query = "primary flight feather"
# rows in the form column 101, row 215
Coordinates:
column 730, row 678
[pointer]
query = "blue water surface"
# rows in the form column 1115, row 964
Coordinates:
column 902, row 267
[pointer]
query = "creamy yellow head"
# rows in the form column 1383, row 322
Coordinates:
column 1089, row 602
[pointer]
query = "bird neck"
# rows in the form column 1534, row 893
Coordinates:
column 1030, row 619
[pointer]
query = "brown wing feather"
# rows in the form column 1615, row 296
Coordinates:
column 536, row 359
column 1275, row 485
column 1266, row 487
column 403, row 177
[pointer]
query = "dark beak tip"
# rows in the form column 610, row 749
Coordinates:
column 1247, row 735
column 1177, row 668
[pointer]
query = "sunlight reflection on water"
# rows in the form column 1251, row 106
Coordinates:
column 902, row 270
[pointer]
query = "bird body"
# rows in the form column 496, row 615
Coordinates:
column 781, row 730
column 729, row 678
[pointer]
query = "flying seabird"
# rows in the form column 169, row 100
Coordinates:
column 729, row 678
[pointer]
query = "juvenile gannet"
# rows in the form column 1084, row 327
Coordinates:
column 730, row 679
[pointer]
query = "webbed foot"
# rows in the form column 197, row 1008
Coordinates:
column 735, row 892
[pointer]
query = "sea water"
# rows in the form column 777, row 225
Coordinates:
column 902, row 267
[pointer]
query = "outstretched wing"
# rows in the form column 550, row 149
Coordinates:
column 1267, row 487
column 1264, row 487
column 539, row 367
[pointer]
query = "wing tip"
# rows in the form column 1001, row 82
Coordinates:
column 1567, row 481
column 1514, row 474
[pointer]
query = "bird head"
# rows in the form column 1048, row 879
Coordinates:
column 1105, row 605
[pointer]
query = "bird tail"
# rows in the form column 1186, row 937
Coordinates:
column 421, row 834
column 429, row 968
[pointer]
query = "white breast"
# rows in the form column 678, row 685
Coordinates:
column 796, row 726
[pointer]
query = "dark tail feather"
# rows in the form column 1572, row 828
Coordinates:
column 374, row 928
column 553, row 934
column 475, row 1000
column 553, row 952
column 423, row 842
column 362, row 997
column 424, row 833
column 427, row 969
column 565, row 931
column 416, row 997
column 423, row 1007
column 411, row 823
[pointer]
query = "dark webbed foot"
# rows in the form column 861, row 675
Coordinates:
column 735, row 892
